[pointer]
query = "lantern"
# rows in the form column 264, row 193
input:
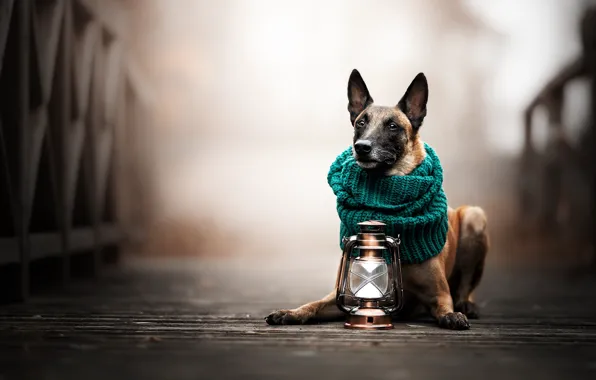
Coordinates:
column 369, row 281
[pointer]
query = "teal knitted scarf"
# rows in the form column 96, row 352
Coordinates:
column 414, row 206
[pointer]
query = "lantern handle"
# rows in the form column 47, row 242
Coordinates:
column 349, row 243
column 394, row 243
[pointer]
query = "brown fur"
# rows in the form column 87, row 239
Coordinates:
column 443, row 285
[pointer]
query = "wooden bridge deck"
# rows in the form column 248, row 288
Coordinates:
column 187, row 320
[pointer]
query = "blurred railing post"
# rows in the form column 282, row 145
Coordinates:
column 542, row 173
column 69, row 87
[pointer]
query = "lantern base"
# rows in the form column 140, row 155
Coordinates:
column 372, row 322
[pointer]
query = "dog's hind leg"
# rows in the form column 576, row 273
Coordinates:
column 469, row 263
column 324, row 309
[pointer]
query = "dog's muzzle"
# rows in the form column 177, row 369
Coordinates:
column 369, row 157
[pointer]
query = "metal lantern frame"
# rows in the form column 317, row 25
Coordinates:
column 370, row 242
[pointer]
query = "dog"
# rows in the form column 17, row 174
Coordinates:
column 386, row 139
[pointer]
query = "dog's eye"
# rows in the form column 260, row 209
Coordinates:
column 393, row 126
column 360, row 123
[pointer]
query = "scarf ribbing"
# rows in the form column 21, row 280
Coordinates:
column 413, row 206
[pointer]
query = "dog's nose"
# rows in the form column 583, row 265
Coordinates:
column 363, row 146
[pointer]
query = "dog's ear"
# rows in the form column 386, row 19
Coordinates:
column 413, row 103
column 358, row 95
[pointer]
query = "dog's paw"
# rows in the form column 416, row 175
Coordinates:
column 469, row 309
column 286, row 317
column 454, row 321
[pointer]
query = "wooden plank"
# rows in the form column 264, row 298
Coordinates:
column 138, row 82
column 96, row 119
column 148, row 357
column 65, row 131
column 110, row 234
column 23, row 11
column 110, row 14
column 5, row 16
column 201, row 321
column 73, row 163
column 7, row 176
column 118, row 166
column 47, row 20
column 113, row 77
column 37, row 126
column 83, row 54
column 45, row 245
column 9, row 250
column 104, row 143
column 84, row 238
column 237, row 330
column 49, row 244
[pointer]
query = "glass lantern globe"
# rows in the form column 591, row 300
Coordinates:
column 369, row 281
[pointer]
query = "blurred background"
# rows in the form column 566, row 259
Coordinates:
column 251, row 111
column 171, row 156
column 204, row 129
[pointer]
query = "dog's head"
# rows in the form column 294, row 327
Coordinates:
column 386, row 137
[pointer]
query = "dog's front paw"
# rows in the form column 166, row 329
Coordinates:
column 454, row 321
column 469, row 309
column 286, row 317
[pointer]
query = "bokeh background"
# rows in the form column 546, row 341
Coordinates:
column 206, row 130
column 250, row 111
column 189, row 141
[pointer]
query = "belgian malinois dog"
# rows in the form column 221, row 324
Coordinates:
column 444, row 284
